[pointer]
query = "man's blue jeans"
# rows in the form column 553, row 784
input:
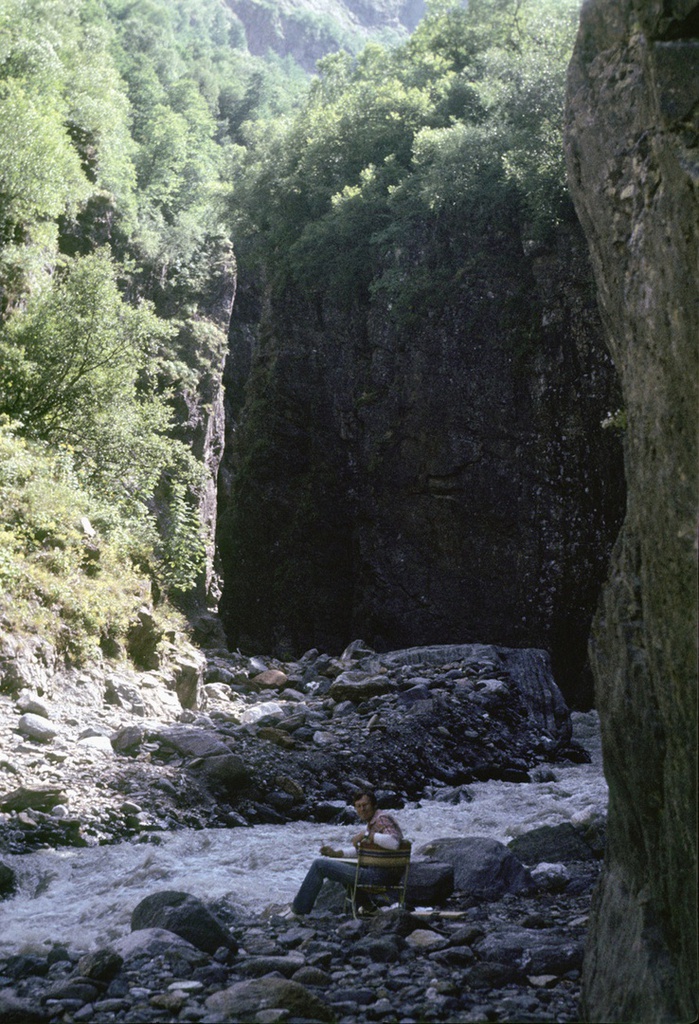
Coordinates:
column 336, row 870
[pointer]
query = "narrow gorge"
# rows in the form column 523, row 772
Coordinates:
column 348, row 439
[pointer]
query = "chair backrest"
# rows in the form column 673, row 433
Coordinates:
column 376, row 857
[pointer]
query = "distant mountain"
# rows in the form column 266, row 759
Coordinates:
column 307, row 30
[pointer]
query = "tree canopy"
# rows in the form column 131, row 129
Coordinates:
column 141, row 141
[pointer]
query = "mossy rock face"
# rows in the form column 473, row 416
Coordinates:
column 640, row 214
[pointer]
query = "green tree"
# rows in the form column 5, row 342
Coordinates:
column 71, row 373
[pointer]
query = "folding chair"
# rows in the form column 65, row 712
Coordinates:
column 397, row 862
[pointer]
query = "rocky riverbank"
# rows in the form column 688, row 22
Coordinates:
column 507, row 956
column 218, row 739
column 105, row 753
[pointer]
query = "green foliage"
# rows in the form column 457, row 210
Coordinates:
column 137, row 134
column 183, row 549
column 69, row 373
column 119, row 120
column 67, row 563
column 462, row 123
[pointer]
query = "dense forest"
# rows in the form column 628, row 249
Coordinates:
column 142, row 145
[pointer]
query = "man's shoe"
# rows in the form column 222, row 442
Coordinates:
column 290, row 915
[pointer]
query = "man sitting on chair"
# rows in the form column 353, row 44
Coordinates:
column 382, row 830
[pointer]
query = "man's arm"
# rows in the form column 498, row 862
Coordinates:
column 384, row 831
column 330, row 851
column 385, row 840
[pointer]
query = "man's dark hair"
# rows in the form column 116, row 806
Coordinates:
column 369, row 793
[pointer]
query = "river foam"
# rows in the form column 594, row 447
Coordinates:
column 83, row 898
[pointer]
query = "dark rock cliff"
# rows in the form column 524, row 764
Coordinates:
column 633, row 160
column 437, row 477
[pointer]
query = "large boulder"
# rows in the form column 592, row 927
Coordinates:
column 483, row 867
column 224, row 774
column 534, row 950
column 186, row 916
column 38, row 728
column 561, row 842
column 430, row 883
column 633, row 165
column 247, row 999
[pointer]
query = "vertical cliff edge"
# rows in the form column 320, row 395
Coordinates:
column 633, row 160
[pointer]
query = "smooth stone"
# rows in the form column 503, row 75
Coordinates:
column 101, row 743
column 246, row 998
column 37, row 728
column 267, row 709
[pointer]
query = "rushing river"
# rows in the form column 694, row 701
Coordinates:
column 83, row 898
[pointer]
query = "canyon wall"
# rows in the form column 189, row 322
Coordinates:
column 440, row 475
column 633, row 97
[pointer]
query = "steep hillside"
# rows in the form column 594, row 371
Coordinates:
column 306, row 30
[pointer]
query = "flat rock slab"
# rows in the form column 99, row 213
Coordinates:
column 192, row 742
column 538, row 951
column 40, row 798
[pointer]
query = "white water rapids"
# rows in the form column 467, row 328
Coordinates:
column 83, row 897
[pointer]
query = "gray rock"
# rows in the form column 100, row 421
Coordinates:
column 192, row 742
column 39, row 798
column 383, row 949
column 257, row 966
column 356, row 686
column 188, row 676
column 37, row 728
column 355, row 651
column 14, row 1010
column 430, row 883
column 259, row 712
column 415, row 693
column 8, row 881
column 101, row 965
column 483, row 867
column 78, row 989
column 313, row 976
column 128, row 738
column 186, row 916
column 243, row 1000
column 101, row 743
column 30, row 704
column 224, row 774
column 535, row 951
column 150, row 941
column 552, row 843
column 551, row 877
